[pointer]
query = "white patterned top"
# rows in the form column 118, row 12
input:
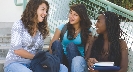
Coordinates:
column 21, row 39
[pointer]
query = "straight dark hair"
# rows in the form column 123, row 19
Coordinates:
column 85, row 23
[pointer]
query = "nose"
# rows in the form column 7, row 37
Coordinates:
column 70, row 16
column 45, row 13
column 96, row 24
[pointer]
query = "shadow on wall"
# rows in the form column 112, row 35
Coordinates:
column 130, row 60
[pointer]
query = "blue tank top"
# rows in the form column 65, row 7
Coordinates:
column 76, row 41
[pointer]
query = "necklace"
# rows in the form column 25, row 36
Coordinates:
column 76, row 30
column 105, row 53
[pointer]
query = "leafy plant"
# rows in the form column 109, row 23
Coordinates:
column 124, row 3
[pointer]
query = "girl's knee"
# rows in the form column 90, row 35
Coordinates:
column 71, row 46
column 56, row 45
column 63, row 68
column 79, row 64
column 78, row 61
column 56, row 42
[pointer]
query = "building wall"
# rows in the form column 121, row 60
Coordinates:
column 9, row 12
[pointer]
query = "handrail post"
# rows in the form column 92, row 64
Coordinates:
column 109, row 8
column 117, row 7
column 20, row 4
column 24, row 4
column 17, row 4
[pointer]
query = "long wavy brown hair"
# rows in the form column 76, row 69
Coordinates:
column 30, row 21
column 85, row 23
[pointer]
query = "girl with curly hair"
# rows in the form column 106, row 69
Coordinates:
column 27, row 36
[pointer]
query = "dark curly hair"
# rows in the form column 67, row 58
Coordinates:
column 85, row 23
column 114, row 34
column 29, row 18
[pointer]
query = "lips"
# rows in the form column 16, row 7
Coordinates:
column 42, row 17
column 71, row 20
column 97, row 29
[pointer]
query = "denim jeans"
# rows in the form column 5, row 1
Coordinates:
column 18, row 67
column 72, row 51
column 79, row 64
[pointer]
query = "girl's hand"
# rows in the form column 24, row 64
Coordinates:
column 91, row 63
column 93, row 71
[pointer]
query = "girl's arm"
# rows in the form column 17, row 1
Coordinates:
column 23, row 53
column 124, row 55
column 88, row 47
column 16, row 41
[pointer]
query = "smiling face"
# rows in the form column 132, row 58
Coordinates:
column 101, row 25
column 74, row 17
column 41, row 12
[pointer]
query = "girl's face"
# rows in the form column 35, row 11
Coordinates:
column 41, row 12
column 100, row 25
column 74, row 17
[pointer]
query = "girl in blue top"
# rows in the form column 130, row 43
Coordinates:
column 76, row 37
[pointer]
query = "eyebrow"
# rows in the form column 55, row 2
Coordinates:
column 98, row 18
column 70, row 10
column 44, row 8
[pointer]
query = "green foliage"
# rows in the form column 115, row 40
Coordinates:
column 124, row 3
column 92, row 9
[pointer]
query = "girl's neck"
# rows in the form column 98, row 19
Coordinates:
column 77, row 29
column 105, row 37
column 76, row 26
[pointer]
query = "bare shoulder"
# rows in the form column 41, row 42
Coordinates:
column 123, row 45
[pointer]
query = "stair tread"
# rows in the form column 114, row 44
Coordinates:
column 2, row 61
column 7, row 47
column 4, row 47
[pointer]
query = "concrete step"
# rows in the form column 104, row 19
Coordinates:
column 6, row 24
column 5, row 31
column 5, row 38
column 4, row 53
column 47, row 40
column 5, row 45
column 2, row 65
column 4, row 50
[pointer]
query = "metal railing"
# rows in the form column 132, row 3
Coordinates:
column 114, row 8
column 21, row 4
